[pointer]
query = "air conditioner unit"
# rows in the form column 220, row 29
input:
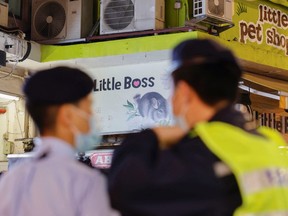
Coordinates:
column 61, row 19
column 3, row 14
column 117, row 16
column 214, row 12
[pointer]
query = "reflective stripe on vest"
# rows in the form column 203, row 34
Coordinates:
column 259, row 167
column 255, row 181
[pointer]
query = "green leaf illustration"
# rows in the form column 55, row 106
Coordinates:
column 241, row 8
column 129, row 105
column 132, row 116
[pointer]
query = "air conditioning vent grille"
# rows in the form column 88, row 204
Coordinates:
column 216, row 7
column 50, row 19
column 119, row 14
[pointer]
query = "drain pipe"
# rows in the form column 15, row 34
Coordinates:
column 26, row 124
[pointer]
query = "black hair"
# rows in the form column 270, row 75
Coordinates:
column 209, row 68
column 48, row 89
column 212, row 81
column 43, row 116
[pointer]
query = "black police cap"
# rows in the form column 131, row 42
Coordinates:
column 194, row 52
column 57, row 85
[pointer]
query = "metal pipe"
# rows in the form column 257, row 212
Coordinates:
column 26, row 124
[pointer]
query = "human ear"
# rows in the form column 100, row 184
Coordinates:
column 65, row 115
column 184, row 90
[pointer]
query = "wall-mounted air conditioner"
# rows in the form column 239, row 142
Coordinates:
column 117, row 16
column 213, row 11
column 61, row 19
column 4, row 14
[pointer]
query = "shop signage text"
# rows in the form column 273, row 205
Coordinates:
column 272, row 120
column 255, row 32
column 101, row 159
column 110, row 84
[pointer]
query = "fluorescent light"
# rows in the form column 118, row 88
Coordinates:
column 9, row 97
column 254, row 91
column 282, row 93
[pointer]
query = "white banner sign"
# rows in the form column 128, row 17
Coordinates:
column 130, row 98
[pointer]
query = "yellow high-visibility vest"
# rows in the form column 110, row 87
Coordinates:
column 260, row 168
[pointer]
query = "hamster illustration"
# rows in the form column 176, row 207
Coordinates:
column 152, row 105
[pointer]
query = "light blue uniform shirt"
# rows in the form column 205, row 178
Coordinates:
column 54, row 185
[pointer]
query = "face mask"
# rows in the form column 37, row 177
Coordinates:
column 87, row 141
column 181, row 122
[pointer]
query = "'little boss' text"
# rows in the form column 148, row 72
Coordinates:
column 110, row 84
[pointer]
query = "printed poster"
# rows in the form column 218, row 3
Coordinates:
column 130, row 98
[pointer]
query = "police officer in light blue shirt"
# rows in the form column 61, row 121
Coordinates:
column 53, row 182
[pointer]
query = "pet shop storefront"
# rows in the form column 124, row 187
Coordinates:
column 132, row 89
column 259, row 38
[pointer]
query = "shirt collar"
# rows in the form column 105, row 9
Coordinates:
column 229, row 115
column 45, row 145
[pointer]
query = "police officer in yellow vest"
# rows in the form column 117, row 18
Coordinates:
column 212, row 164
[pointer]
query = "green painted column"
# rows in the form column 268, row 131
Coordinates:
column 176, row 17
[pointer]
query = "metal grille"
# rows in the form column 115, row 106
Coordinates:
column 119, row 14
column 50, row 19
column 216, row 8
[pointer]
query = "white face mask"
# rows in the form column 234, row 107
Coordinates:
column 87, row 141
column 181, row 122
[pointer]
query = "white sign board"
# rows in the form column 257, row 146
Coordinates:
column 129, row 98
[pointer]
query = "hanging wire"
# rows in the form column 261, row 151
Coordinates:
column 18, row 121
column 14, row 65
column 11, row 72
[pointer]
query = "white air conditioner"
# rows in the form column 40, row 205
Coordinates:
column 61, row 19
column 213, row 11
column 3, row 14
column 117, row 16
